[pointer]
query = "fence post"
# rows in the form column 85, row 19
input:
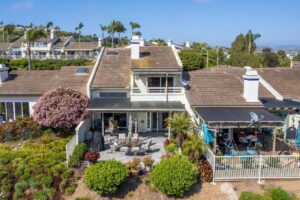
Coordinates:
column 214, row 168
column 260, row 170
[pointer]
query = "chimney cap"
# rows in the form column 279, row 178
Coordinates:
column 135, row 39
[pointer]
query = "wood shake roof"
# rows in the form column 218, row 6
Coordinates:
column 219, row 87
column 37, row 82
column 116, row 64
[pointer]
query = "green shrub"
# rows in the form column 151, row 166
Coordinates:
column 250, row 196
column 46, row 181
column 106, row 176
column 174, row 176
column 20, row 188
column 191, row 59
column 278, row 194
column 77, row 155
column 172, row 148
column 40, row 195
column 50, row 64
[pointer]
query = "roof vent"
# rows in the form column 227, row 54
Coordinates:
column 112, row 53
column 82, row 71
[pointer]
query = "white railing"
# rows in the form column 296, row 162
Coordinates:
column 158, row 90
column 71, row 146
column 254, row 167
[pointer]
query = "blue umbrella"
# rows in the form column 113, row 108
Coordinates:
column 298, row 136
column 208, row 137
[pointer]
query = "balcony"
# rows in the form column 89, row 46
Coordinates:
column 157, row 90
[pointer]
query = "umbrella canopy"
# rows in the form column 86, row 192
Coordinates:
column 298, row 136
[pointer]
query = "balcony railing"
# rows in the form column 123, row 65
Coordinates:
column 157, row 90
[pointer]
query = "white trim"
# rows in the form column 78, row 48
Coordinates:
column 274, row 92
column 176, row 55
column 91, row 78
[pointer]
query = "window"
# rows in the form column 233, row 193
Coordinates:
column 10, row 111
column 2, row 111
column 26, row 112
column 160, row 82
column 113, row 94
column 18, row 109
column 13, row 110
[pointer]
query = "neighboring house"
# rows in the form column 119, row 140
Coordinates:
column 141, row 83
column 295, row 64
column 21, row 89
column 52, row 46
column 4, row 49
column 87, row 49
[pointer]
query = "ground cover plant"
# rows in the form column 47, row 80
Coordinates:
column 36, row 167
column 269, row 194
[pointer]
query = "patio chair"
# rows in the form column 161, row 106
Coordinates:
column 135, row 137
column 122, row 138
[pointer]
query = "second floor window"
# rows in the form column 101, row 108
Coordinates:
column 160, row 82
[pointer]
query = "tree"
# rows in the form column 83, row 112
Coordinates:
column 2, row 24
column 134, row 26
column 61, row 108
column 78, row 28
column 137, row 33
column 120, row 28
column 191, row 59
column 270, row 59
column 111, row 30
column 9, row 29
column 31, row 36
column 250, row 38
column 48, row 26
column 238, row 45
column 181, row 125
column 103, row 29
column 281, row 55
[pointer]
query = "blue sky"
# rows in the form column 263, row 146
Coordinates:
column 216, row 22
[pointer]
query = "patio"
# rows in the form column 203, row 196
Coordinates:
column 124, row 151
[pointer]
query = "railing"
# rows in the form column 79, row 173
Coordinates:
column 71, row 146
column 44, row 57
column 254, row 167
column 157, row 90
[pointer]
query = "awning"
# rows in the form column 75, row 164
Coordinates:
column 113, row 105
column 237, row 117
column 277, row 104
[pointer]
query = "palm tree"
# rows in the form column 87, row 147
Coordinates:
column 9, row 29
column 120, row 28
column 31, row 36
column 137, row 33
column 103, row 29
column 78, row 28
column 48, row 25
column 111, row 30
column 251, row 39
column 134, row 25
column 181, row 126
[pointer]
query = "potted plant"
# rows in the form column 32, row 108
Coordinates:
column 148, row 162
column 92, row 156
column 135, row 167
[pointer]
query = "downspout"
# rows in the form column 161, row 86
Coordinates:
column 92, row 76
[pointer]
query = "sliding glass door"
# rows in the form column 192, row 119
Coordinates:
column 156, row 121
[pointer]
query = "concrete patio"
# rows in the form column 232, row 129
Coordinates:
column 156, row 149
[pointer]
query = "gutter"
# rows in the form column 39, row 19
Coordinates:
column 92, row 76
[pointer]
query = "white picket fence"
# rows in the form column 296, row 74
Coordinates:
column 254, row 167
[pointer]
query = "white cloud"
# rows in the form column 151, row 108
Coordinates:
column 202, row 1
column 22, row 5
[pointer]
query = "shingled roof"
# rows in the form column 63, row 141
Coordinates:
column 83, row 46
column 37, row 82
column 219, row 87
column 116, row 64
column 285, row 80
column 4, row 46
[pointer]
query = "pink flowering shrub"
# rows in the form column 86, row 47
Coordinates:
column 61, row 108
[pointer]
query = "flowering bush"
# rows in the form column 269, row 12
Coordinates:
column 91, row 156
column 205, row 170
column 61, row 108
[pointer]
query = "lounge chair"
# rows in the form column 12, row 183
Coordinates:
column 146, row 147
